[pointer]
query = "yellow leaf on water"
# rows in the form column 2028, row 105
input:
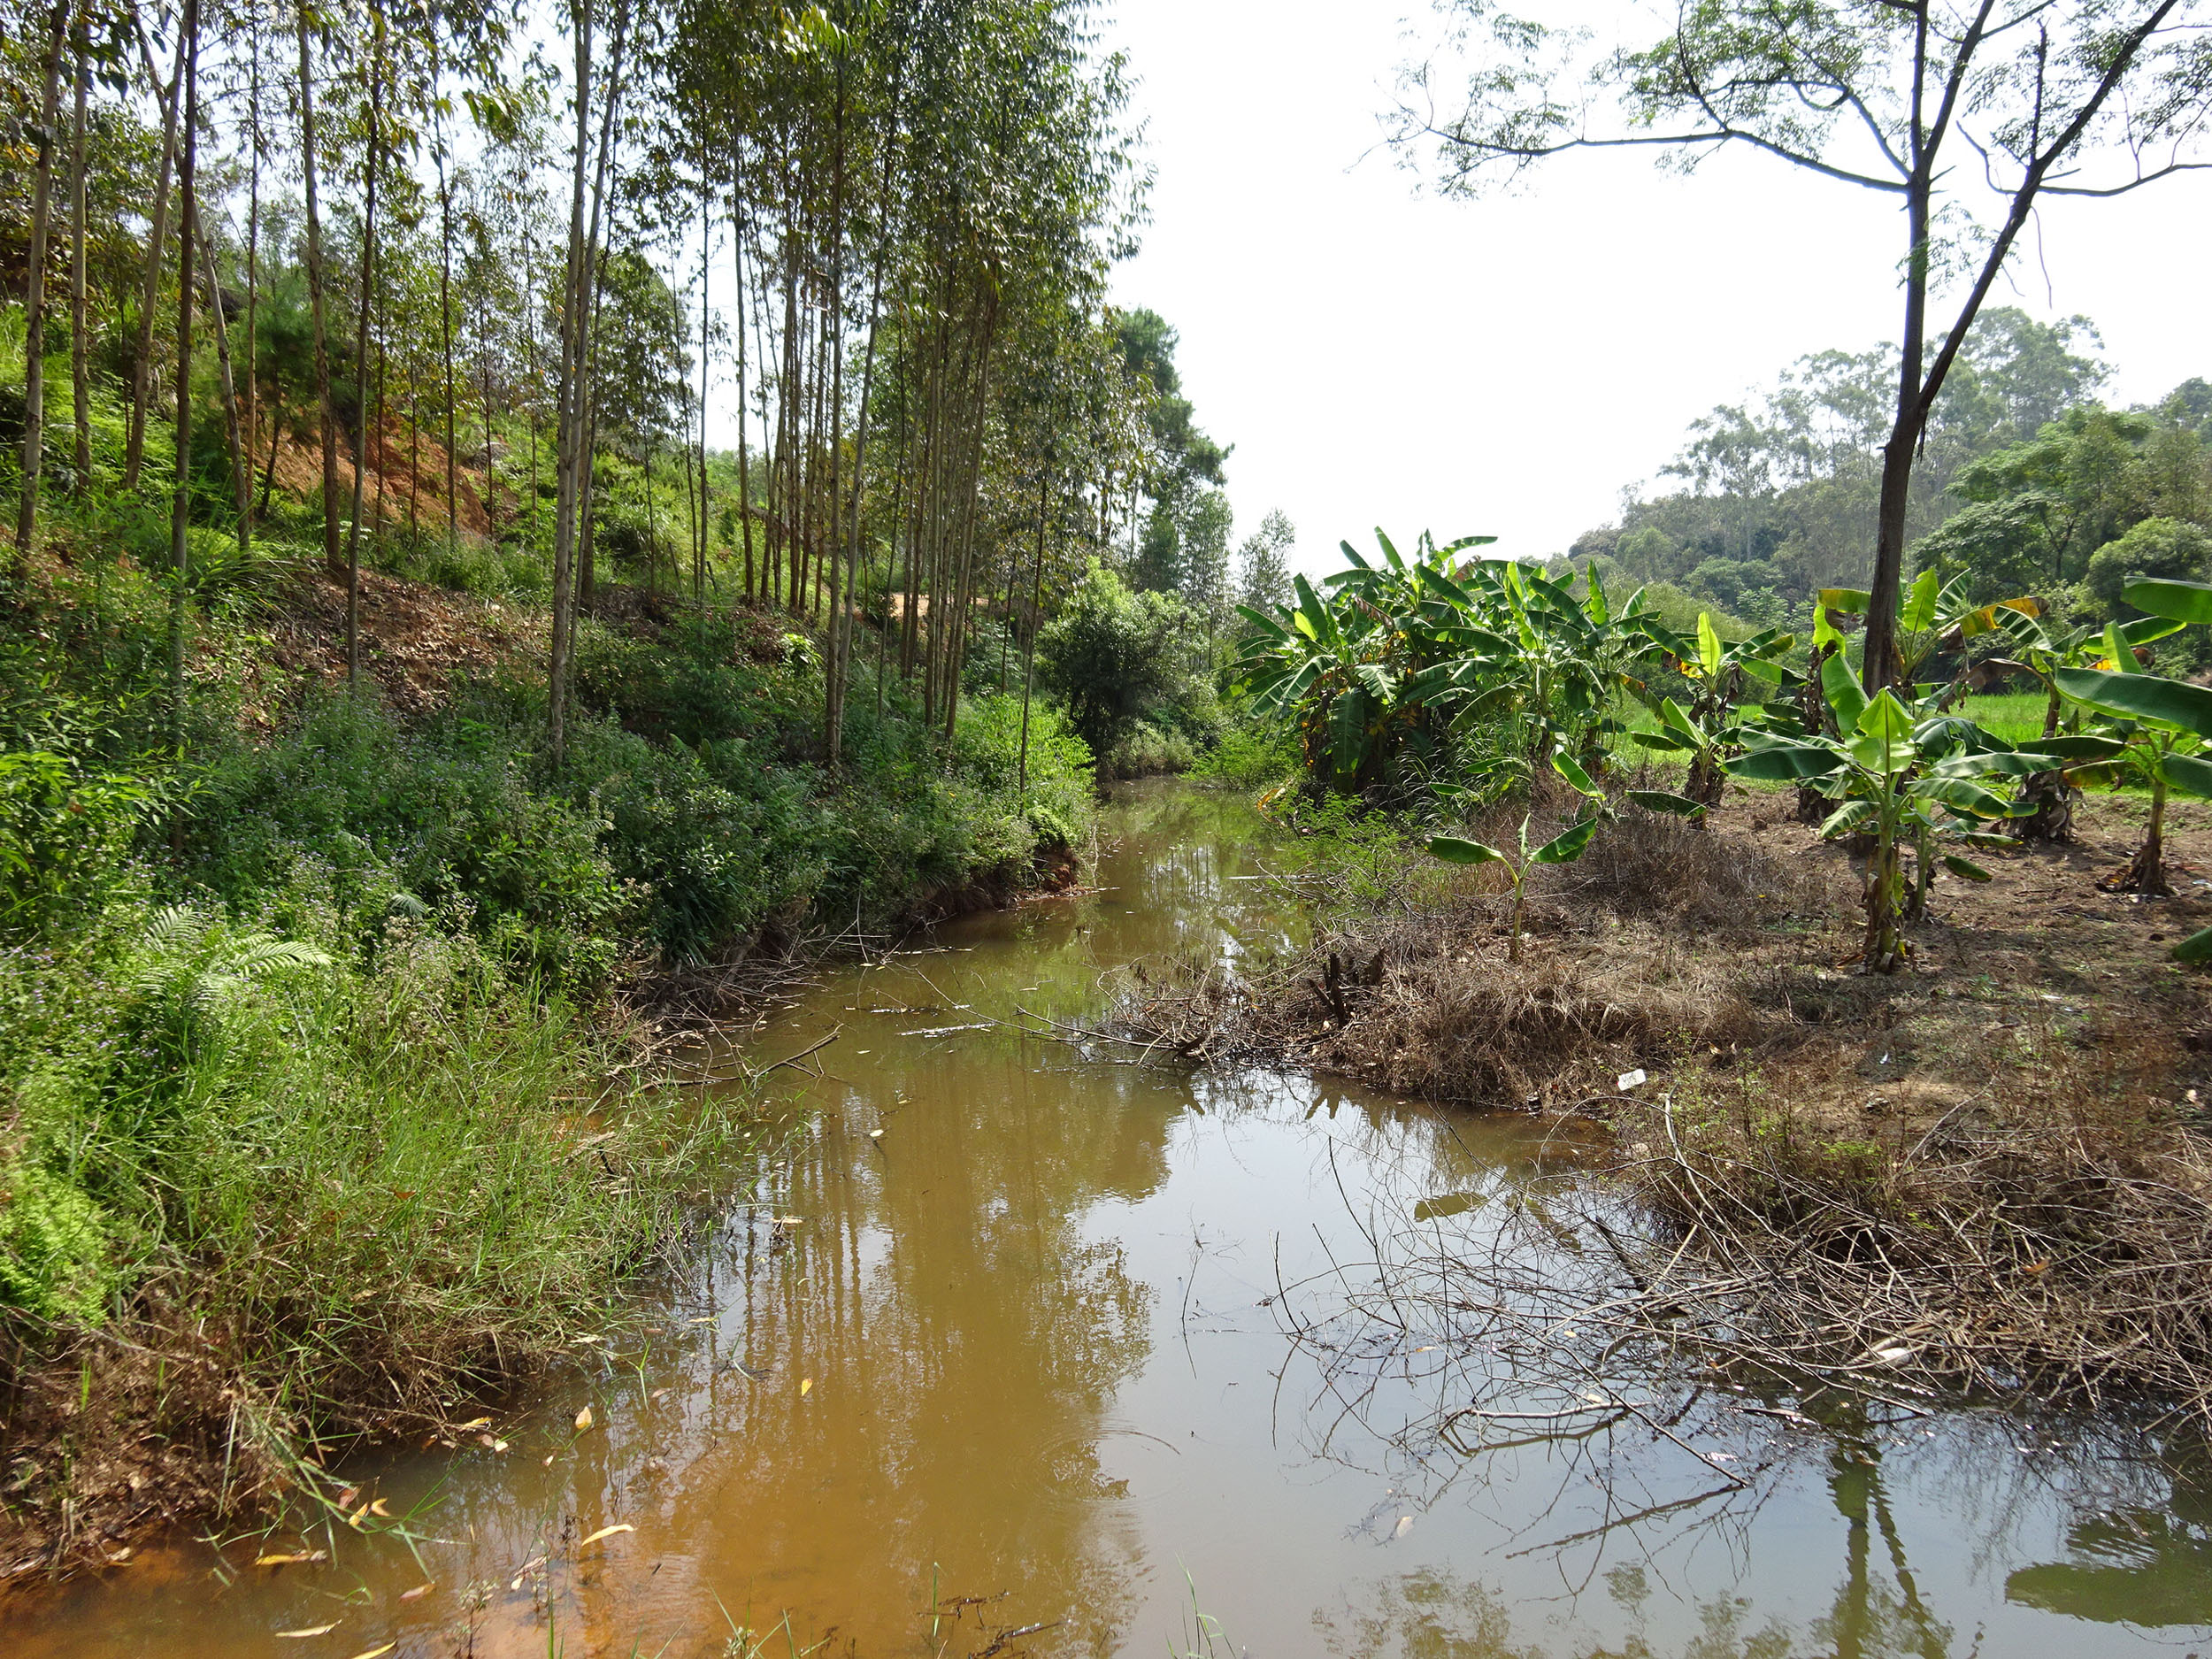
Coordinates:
column 583, row 1419
column 806, row 1387
column 287, row 1560
column 474, row 1422
column 313, row 1630
column 378, row 1509
column 418, row 1592
column 608, row 1532
column 377, row 1653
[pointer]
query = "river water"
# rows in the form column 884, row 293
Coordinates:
column 1003, row 1359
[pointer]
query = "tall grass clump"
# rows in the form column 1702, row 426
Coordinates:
column 378, row 1179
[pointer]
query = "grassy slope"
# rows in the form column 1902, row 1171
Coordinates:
column 315, row 1072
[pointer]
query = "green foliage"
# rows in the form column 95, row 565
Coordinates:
column 1398, row 676
column 65, row 832
column 1114, row 655
column 190, row 1091
column 54, row 1247
column 1252, row 753
column 2159, row 548
column 1900, row 771
column 1522, row 859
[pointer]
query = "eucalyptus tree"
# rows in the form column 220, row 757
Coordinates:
column 1919, row 100
column 593, row 157
column 55, row 46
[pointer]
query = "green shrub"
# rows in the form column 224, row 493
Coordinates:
column 349, row 802
column 721, row 843
column 1112, row 655
column 296, row 1129
column 1143, row 750
column 2164, row 548
column 65, row 831
column 688, row 684
column 54, row 1247
column 1250, row 755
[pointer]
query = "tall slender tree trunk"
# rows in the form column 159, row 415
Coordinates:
column 218, row 324
column 567, row 426
column 150, row 288
column 1880, row 665
column 1036, row 610
column 833, row 320
column 573, row 439
column 253, row 275
column 744, row 459
column 187, row 95
column 326, row 416
column 374, row 165
column 80, row 363
column 35, row 297
column 445, row 345
column 706, row 252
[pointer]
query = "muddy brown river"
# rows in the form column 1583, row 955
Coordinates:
column 1004, row 1359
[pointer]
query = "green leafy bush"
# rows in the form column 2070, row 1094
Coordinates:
column 1113, row 655
column 54, row 1260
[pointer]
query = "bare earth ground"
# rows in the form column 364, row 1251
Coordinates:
column 1765, row 972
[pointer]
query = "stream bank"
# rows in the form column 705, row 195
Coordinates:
column 1024, row 1337
column 1989, row 1176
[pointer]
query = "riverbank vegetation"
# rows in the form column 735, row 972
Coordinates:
column 505, row 550
column 1878, row 1000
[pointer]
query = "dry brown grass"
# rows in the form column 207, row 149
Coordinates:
column 2051, row 1232
column 1414, row 993
column 1987, row 1177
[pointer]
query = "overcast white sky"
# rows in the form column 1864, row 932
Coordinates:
column 1506, row 366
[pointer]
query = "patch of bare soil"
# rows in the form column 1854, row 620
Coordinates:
column 1995, row 1168
column 415, row 639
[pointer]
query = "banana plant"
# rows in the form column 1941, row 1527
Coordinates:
column 1566, row 659
column 1931, row 615
column 1899, row 775
column 1706, row 740
column 1522, row 860
column 1403, row 652
column 2159, row 724
column 1371, row 666
column 2041, row 647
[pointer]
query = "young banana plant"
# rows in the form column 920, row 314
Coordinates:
column 1899, row 774
column 1932, row 616
column 2160, row 725
column 1569, row 844
column 2041, row 646
column 1707, row 741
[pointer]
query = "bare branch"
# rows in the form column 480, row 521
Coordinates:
column 1539, row 152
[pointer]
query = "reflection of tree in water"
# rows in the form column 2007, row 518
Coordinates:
column 2144, row 1564
column 1422, row 1615
column 1872, row 1619
column 964, row 1337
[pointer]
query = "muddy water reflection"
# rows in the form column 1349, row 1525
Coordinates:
column 1001, row 1347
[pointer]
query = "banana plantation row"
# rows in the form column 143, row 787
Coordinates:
column 1447, row 683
